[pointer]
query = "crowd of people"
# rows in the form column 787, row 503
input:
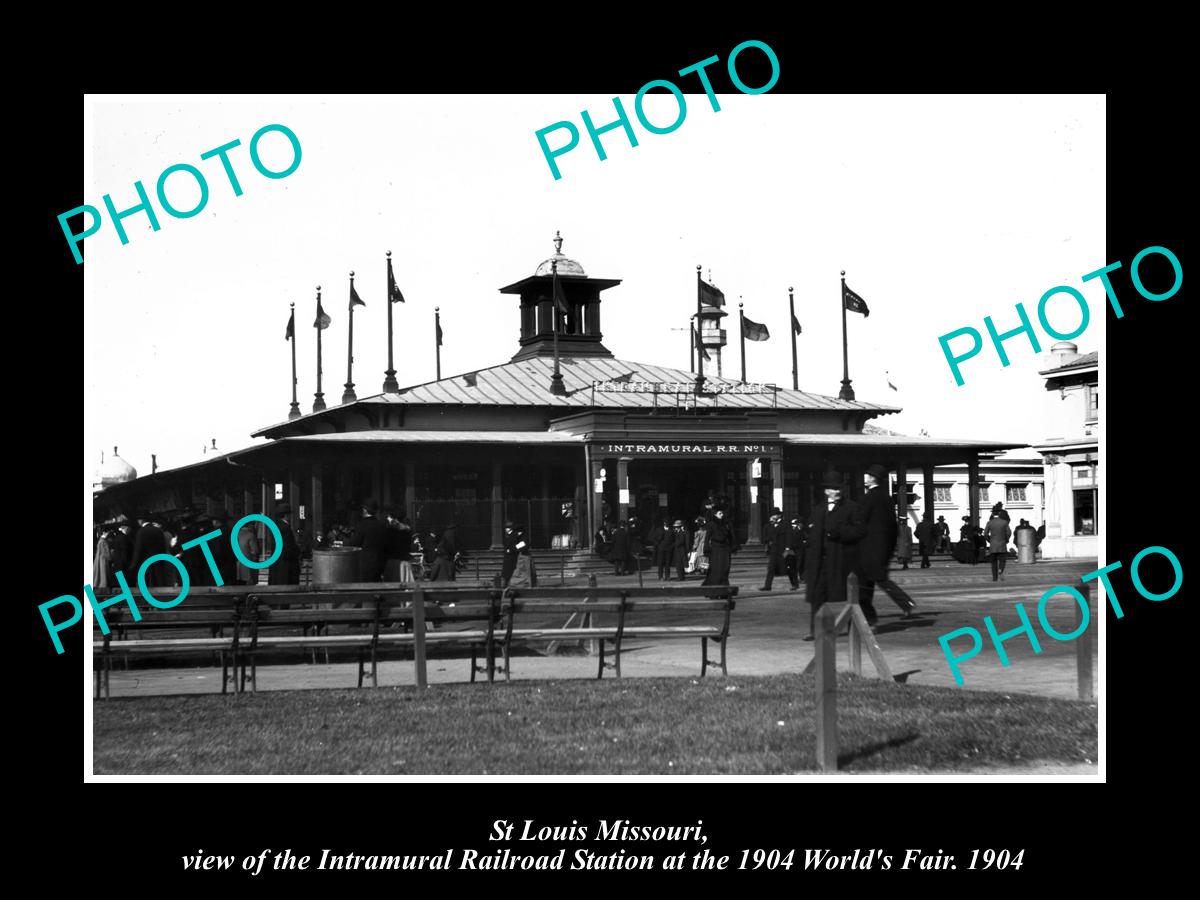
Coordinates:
column 124, row 543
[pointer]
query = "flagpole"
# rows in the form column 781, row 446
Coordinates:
column 699, row 338
column 318, row 398
column 556, row 380
column 390, row 385
column 792, row 328
column 847, row 392
column 294, row 412
column 695, row 336
column 348, row 395
column 742, row 331
column 437, row 339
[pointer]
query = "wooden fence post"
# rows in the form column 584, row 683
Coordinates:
column 1085, row 643
column 419, row 634
column 826, row 647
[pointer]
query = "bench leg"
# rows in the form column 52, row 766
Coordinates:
column 507, row 663
column 474, row 661
column 253, row 675
column 107, row 670
column 224, row 672
column 724, row 671
column 703, row 656
column 600, row 669
column 360, row 668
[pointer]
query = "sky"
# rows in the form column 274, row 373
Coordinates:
column 941, row 209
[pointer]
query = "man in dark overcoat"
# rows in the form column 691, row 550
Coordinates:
column 775, row 541
column 286, row 569
column 794, row 552
column 372, row 535
column 874, row 550
column 681, row 546
column 835, row 529
column 620, row 548
column 662, row 540
column 222, row 550
column 149, row 542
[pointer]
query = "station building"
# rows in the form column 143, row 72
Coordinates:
column 614, row 438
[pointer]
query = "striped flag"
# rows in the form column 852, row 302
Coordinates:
column 700, row 343
column 394, row 294
column 323, row 319
column 355, row 300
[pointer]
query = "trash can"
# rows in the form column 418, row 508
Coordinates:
column 337, row 565
column 1026, row 545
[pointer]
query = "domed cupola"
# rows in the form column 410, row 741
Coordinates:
column 578, row 314
column 114, row 470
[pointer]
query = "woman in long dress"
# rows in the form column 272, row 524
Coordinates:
column 699, row 557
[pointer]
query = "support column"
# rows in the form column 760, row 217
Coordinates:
column 497, row 505
column 410, row 493
column 929, row 494
column 973, row 490
column 582, row 488
column 377, row 481
column 389, row 497
column 597, row 506
column 547, row 531
column 856, row 482
column 623, row 488
column 294, row 494
column 754, row 525
column 902, row 490
column 316, row 512
column 777, row 482
column 247, row 500
column 227, row 499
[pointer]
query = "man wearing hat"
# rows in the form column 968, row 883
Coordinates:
column 836, row 527
column 251, row 549
column 222, row 550
column 286, row 569
column 514, row 543
column 794, row 554
column 879, row 519
column 150, row 541
column 372, row 535
column 775, row 538
column 681, row 545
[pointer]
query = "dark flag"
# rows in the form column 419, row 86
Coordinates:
column 700, row 343
column 469, row 378
column 795, row 325
column 394, row 294
column 853, row 302
column 753, row 331
column 439, row 333
column 355, row 300
column 291, row 329
column 323, row 319
column 710, row 295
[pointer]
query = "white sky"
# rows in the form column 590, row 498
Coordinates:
column 942, row 210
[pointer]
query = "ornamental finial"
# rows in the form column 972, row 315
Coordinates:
column 558, row 242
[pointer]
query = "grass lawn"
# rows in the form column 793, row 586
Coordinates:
column 735, row 726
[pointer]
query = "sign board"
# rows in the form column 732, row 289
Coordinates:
column 624, row 496
column 680, row 449
column 302, row 512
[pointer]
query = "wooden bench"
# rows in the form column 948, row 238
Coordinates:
column 588, row 603
column 374, row 608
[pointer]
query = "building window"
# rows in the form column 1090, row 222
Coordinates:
column 1085, row 512
column 1015, row 493
column 983, row 494
column 941, row 494
column 1092, row 403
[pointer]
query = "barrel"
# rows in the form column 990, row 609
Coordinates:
column 1026, row 545
column 337, row 565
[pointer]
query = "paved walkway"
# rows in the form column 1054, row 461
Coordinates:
column 765, row 639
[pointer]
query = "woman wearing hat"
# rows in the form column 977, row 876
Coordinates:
column 719, row 546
